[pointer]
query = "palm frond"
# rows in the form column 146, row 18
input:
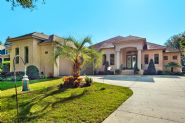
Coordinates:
column 73, row 42
column 85, row 41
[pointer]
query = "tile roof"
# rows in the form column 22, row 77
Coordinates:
column 41, row 36
column 52, row 38
column 33, row 34
column 168, row 49
column 148, row 46
column 152, row 46
column 110, row 42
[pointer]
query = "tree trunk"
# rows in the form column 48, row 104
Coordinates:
column 76, row 70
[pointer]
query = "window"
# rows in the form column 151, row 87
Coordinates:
column 174, row 57
column 104, row 59
column 17, row 53
column 156, row 58
column 165, row 57
column 111, row 59
column 26, row 54
column 146, row 58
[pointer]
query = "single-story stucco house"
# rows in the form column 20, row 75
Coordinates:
column 38, row 49
column 121, row 52
column 124, row 52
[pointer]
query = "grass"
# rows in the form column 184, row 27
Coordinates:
column 10, row 84
column 45, row 103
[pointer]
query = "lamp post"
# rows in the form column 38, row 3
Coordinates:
column 25, row 81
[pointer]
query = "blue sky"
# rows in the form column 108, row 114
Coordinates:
column 156, row 20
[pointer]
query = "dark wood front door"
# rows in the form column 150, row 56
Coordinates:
column 131, row 61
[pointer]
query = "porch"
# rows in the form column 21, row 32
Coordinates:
column 127, row 59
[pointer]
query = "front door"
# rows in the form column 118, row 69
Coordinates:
column 131, row 61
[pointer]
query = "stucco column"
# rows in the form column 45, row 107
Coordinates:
column 117, row 59
column 56, row 68
column 139, row 59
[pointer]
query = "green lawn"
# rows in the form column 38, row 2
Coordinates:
column 45, row 103
column 10, row 84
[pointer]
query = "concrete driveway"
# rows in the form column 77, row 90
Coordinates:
column 156, row 99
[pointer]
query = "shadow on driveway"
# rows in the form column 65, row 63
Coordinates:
column 136, row 78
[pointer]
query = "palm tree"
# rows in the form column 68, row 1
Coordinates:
column 78, row 53
column 172, row 65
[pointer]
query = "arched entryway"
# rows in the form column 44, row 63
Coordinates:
column 128, row 57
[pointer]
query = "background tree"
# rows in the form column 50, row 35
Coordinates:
column 175, row 41
column 78, row 53
column 182, row 43
column 178, row 42
column 24, row 3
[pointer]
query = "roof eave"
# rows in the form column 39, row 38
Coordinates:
column 26, row 37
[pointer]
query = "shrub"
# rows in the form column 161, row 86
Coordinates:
column 160, row 72
column 106, row 67
column 32, row 72
column 88, row 81
column 9, row 76
column 42, row 76
column 151, row 68
column 1, row 78
column 136, row 70
column 19, row 75
column 105, row 73
column 183, row 69
column 173, row 73
column 100, row 72
column 117, row 71
column 6, row 66
column 172, row 65
column 110, row 72
column 70, row 81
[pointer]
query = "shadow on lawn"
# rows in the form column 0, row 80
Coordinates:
column 25, row 113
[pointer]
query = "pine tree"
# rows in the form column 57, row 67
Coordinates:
column 151, row 68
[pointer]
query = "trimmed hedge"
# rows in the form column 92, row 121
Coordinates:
column 32, row 72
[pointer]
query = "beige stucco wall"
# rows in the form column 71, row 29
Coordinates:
column 138, row 44
column 170, row 59
column 65, row 67
column 151, row 53
column 45, row 62
column 151, row 56
column 46, row 59
column 21, row 44
column 37, row 56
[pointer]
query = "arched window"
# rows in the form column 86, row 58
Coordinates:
column 26, row 54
